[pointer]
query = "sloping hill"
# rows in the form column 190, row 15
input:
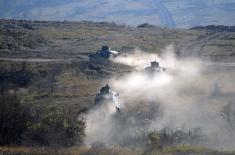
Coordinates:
column 169, row 13
column 56, row 54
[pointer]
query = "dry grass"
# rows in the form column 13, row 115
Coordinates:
column 85, row 35
column 76, row 85
column 115, row 150
column 25, row 151
column 68, row 151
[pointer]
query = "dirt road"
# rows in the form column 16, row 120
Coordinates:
column 192, row 48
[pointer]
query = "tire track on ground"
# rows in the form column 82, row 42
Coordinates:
column 192, row 48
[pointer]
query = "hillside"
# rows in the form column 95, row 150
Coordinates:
column 75, row 39
column 167, row 13
column 57, row 52
column 47, row 64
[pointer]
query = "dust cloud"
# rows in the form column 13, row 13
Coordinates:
column 189, row 96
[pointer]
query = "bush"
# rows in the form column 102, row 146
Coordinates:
column 154, row 141
column 56, row 127
column 13, row 117
column 37, row 126
column 145, row 25
column 168, row 137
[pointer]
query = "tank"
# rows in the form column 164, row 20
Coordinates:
column 154, row 68
column 107, row 96
column 105, row 52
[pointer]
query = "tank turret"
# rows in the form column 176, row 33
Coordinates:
column 105, row 48
column 105, row 90
column 155, row 64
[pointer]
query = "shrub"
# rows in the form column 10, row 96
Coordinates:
column 36, row 125
column 145, row 25
column 56, row 127
column 13, row 117
column 168, row 137
column 154, row 140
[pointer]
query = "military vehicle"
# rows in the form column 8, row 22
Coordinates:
column 107, row 96
column 105, row 52
column 154, row 68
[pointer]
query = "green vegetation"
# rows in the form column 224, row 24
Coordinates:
column 13, row 117
column 21, row 124
column 55, row 128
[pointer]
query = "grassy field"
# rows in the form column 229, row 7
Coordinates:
column 64, row 40
column 52, row 61
column 71, row 39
